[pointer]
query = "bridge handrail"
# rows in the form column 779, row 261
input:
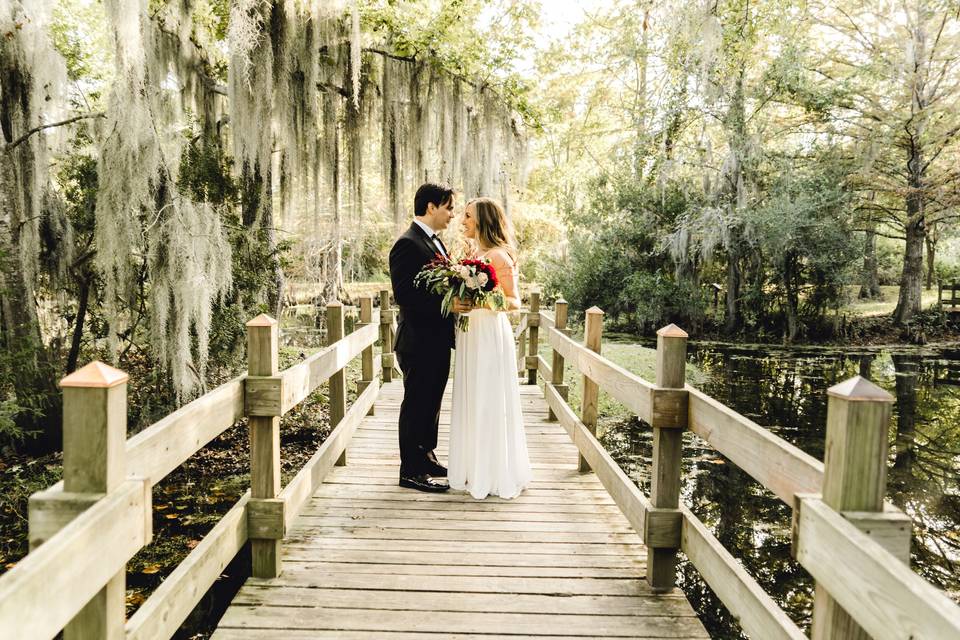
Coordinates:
column 861, row 559
column 81, row 541
column 302, row 379
column 781, row 467
column 153, row 453
column 299, row 490
column 160, row 448
column 757, row 613
column 824, row 537
column 69, row 569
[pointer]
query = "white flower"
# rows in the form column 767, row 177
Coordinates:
column 464, row 271
column 471, row 282
column 482, row 279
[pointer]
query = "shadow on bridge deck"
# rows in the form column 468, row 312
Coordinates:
column 368, row 559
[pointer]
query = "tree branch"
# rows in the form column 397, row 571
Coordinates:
column 39, row 128
column 479, row 86
column 884, row 235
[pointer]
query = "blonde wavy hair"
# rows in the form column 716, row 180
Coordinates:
column 493, row 226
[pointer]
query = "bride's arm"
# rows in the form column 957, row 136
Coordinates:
column 506, row 274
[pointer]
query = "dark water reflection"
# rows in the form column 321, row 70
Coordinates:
column 785, row 390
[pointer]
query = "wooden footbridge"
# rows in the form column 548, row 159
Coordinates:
column 342, row 552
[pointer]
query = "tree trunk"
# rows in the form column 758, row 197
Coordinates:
column 790, row 294
column 30, row 363
column 74, row 354
column 732, row 323
column 640, row 116
column 870, row 284
column 931, row 240
column 911, row 279
column 257, row 215
column 332, row 286
column 31, row 370
column 735, row 122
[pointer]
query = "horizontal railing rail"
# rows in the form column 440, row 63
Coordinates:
column 859, row 556
column 54, row 582
column 84, row 529
column 170, row 604
column 773, row 462
column 876, row 588
column 160, row 448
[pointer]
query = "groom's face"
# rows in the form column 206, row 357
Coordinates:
column 440, row 215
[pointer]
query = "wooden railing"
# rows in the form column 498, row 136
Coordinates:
column 951, row 304
column 854, row 544
column 84, row 529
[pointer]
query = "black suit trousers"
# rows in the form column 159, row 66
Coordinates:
column 425, row 374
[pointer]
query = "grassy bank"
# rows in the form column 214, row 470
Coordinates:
column 885, row 304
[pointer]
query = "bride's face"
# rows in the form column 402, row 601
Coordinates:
column 470, row 221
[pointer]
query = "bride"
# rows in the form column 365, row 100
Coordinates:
column 488, row 446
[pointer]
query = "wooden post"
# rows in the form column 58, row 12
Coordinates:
column 94, row 447
column 593, row 334
column 667, row 453
column 366, row 358
column 338, row 381
column 386, row 335
column 521, row 353
column 854, row 478
column 533, row 320
column 560, row 323
column 263, row 359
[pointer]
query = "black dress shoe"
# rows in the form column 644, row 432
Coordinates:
column 436, row 470
column 424, row 482
column 433, row 466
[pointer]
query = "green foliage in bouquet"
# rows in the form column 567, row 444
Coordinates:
column 470, row 280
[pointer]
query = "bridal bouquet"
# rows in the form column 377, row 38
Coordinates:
column 468, row 279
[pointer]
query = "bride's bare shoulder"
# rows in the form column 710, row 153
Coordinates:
column 499, row 257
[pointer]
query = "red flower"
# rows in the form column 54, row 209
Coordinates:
column 480, row 266
column 492, row 281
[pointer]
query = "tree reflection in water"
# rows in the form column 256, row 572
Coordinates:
column 785, row 390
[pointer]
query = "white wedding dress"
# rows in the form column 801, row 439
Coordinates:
column 488, row 445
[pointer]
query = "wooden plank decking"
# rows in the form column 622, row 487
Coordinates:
column 368, row 559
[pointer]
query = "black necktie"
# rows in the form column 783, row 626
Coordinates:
column 436, row 238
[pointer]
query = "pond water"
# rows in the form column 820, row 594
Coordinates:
column 784, row 389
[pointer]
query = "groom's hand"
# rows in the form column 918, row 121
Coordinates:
column 462, row 306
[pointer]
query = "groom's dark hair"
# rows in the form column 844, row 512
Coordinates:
column 439, row 193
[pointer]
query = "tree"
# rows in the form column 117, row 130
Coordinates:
column 32, row 76
column 801, row 228
column 896, row 71
column 128, row 214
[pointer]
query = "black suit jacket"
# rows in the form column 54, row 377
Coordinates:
column 421, row 326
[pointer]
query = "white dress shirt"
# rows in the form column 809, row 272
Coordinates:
column 433, row 236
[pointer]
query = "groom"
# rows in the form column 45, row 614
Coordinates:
column 424, row 339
